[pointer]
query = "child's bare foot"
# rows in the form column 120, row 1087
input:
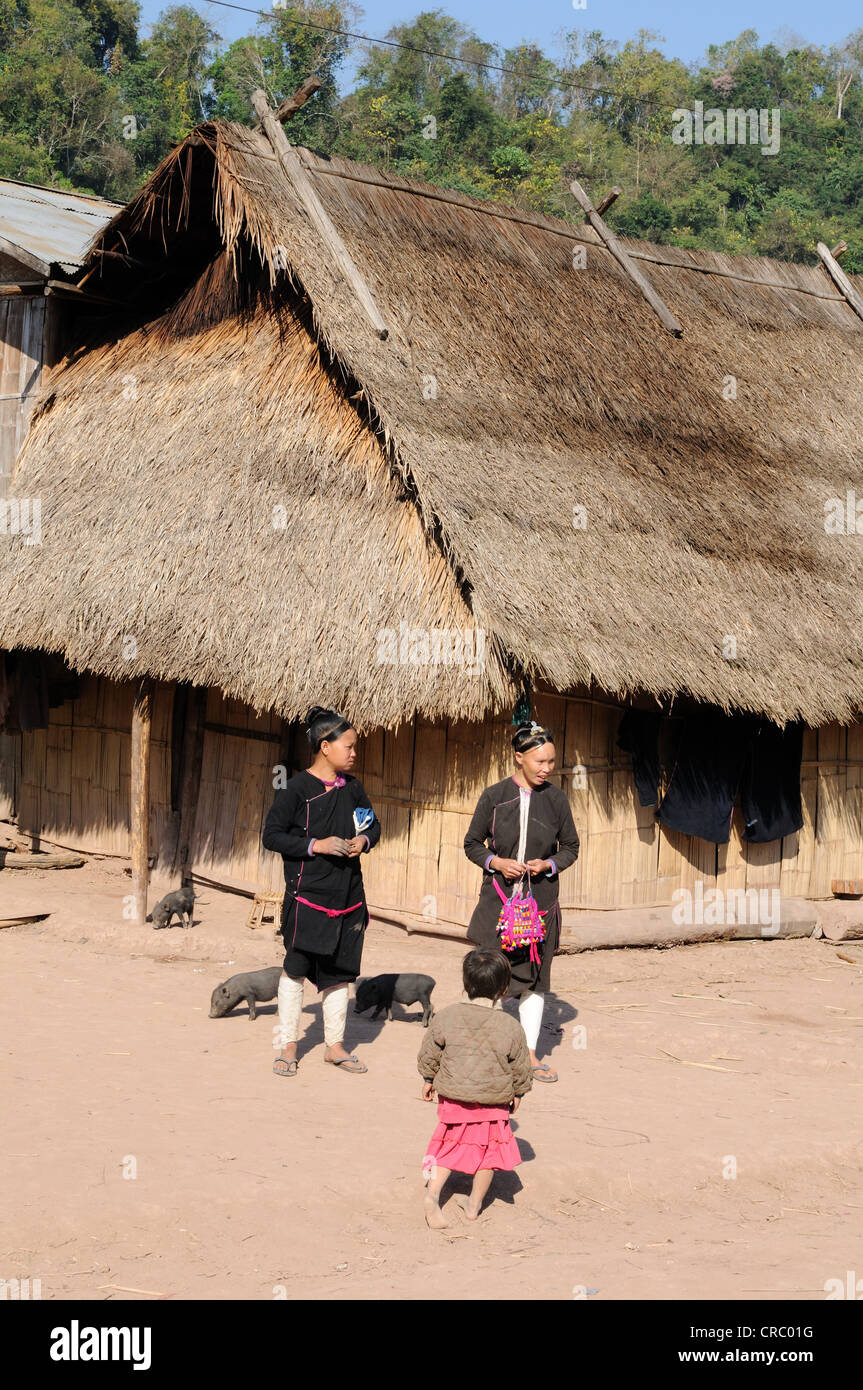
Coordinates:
column 471, row 1209
column 434, row 1216
column 478, row 1192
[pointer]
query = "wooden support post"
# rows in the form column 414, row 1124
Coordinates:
column 662, row 312
column 290, row 162
column 139, row 826
column 193, row 758
column 840, row 279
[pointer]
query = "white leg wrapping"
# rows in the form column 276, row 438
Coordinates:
column 290, row 1008
column 335, row 1010
column 530, row 1013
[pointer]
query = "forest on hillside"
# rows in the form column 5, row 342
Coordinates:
column 88, row 102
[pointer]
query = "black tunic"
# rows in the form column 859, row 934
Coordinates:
column 551, row 834
column 326, row 949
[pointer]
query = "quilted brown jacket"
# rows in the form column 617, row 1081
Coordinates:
column 473, row 1052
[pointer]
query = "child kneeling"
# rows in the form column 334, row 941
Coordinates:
column 475, row 1057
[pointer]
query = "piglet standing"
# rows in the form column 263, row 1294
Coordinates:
column 180, row 904
column 383, row 991
column 256, row 987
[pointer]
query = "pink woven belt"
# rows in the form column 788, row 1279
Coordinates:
column 330, row 911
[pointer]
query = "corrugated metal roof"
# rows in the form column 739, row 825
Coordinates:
column 50, row 223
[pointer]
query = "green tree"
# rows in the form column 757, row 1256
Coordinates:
column 530, row 82
column 58, row 108
column 165, row 90
column 645, row 87
column 418, row 69
column 466, row 121
column 292, row 43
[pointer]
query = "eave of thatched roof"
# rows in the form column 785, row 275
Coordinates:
column 512, row 390
column 214, row 509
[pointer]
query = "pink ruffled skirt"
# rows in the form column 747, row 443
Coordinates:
column 469, row 1137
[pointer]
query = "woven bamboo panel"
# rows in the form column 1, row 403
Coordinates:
column 731, row 858
column 10, row 775
column 798, row 851
column 829, row 855
column 428, row 788
column 424, row 780
column 574, row 884
column 852, row 867
column 764, row 865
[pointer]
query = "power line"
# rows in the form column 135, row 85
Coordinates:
column 424, row 52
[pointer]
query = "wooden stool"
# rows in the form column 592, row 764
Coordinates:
column 265, row 908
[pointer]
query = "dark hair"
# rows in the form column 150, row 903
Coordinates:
column 486, row 973
column 324, row 723
column 530, row 736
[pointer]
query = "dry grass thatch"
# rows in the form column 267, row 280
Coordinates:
column 513, row 389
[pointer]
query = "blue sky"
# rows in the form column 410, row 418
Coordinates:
column 687, row 29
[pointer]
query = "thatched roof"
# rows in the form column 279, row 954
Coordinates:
column 445, row 502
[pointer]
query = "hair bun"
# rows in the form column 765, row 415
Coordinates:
column 531, row 735
column 324, row 724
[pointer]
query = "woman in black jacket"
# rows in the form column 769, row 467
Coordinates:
column 523, row 827
column 320, row 823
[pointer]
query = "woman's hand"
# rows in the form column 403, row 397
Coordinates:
column 514, row 1104
column 538, row 866
column 510, row 868
column 428, row 1090
column 333, row 844
column 356, row 846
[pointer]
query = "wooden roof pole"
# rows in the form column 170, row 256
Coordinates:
column 290, row 162
column 661, row 310
column 287, row 108
column 838, row 276
column 291, row 105
column 608, row 198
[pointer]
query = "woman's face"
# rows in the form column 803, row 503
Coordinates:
column 537, row 764
column 341, row 752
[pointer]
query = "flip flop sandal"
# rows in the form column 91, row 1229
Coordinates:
column 289, row 1063
column 343, row 1062
column 543, row 1066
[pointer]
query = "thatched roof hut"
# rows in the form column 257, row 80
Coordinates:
column 433, row 479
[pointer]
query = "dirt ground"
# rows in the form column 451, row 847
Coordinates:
column 678, row 1070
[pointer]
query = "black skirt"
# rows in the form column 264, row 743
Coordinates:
column 526, row 976
column 327, row 951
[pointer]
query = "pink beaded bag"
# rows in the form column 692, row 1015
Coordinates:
column 520, row 924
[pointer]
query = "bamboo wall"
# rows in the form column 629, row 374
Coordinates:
column 236, row 793
column 626, row 858
column 10, row 774
column 423, row 780
column 75, row 780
